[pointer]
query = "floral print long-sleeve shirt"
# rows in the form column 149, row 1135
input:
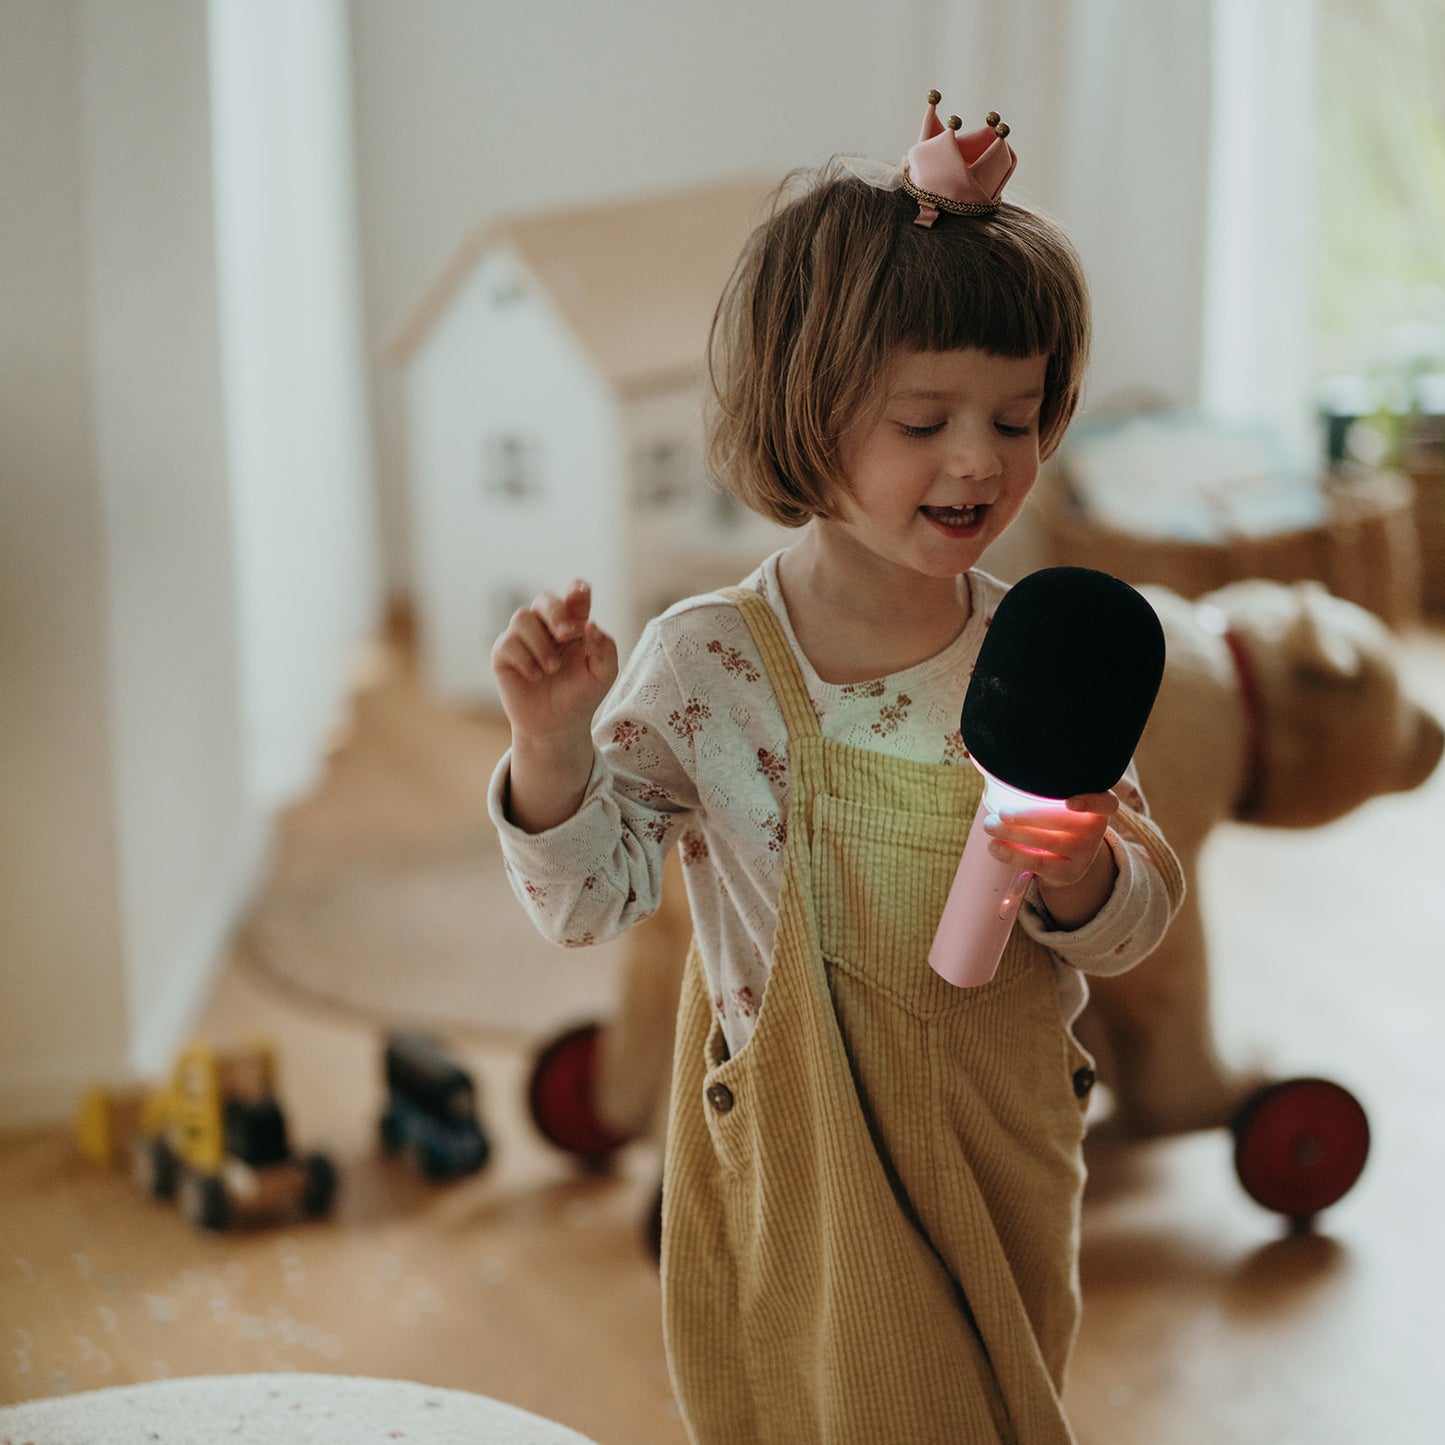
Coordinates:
column 691, row 752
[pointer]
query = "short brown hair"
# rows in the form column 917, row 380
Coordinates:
column 831, row 285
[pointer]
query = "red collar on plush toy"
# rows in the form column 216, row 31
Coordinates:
column 1247, row 804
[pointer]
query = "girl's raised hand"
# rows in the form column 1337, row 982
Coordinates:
column 553, row 666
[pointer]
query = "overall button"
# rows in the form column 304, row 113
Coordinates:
column 1083, row 1082
column 720, row 1097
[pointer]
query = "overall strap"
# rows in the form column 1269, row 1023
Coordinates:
column 779, row 660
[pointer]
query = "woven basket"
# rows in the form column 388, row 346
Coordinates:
column 1426, row 467
column 1365, row 551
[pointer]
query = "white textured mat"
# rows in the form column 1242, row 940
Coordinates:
column 277, row 1409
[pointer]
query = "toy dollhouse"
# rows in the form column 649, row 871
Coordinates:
column 553, row 384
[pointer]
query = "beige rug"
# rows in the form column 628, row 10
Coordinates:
column 431, row 936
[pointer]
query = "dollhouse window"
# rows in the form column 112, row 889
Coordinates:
column 511, row 468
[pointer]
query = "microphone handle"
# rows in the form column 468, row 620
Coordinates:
column 980, row 911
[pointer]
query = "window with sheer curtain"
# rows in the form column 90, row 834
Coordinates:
column 1379, row 280
column 1324, row 264
column 1260, row 232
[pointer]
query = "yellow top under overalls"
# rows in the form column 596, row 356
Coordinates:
column 871, row 1213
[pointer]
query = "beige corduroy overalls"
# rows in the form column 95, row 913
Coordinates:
column 871, row 1212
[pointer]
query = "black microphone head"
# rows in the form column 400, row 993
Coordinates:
column 1064, row 683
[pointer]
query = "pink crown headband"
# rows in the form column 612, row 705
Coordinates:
column 962, row 174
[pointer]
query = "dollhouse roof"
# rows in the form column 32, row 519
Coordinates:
column 637, row 280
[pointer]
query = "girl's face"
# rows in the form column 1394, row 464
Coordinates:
column 941, row 469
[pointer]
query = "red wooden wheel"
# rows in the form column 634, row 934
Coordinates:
column 1299, row 1146
column 562, row 1097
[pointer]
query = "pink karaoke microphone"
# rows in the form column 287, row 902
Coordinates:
column 1057, row 703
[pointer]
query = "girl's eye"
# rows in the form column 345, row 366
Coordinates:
column 922, row 431
column 1015, row 431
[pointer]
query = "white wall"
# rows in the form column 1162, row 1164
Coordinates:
column 1258, row 345
column 295, row 382
column 60, row 925
column 125, row 824
column 467, row 112
column 142, row 754
column 184, row 835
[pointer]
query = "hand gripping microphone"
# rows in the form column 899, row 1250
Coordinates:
column 1056, row 705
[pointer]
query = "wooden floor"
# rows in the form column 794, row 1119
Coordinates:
column 1205, row 1323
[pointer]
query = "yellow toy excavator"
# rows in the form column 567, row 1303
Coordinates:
column 215, row 1137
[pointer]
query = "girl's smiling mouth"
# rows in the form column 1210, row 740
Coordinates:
column 957, row 521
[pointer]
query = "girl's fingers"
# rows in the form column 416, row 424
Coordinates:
column 578, row 602
column 1067, row 817
column 551, row 622
column 510, row 653
column 567, row 616
column 561, row 616
column 1054, row 866
column 533, row 629
column 1105, row 804
column 1043, row 844
column 556, row 633
column 1079, row 820
column 601, row 651
column 528, row 646
column 551, row 611
column 539, row 636
column 1038, row 830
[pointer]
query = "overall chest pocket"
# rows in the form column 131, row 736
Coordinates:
column 881, row 877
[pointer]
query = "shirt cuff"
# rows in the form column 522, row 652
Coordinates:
column 550, row 840
column 1105, row 944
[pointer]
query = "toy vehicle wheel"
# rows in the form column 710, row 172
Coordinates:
column 320, row 1191
column 389, row 1132
column 428, row 1162
column 153, row 1167
column 203, row 1200
column 562, row 1094
column 1299, row 1146
column 652, row 1226
column 484, row 1152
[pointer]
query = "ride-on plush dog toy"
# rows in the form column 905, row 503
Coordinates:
column 1281, row 706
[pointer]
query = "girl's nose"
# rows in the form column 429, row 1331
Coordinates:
column 973, row 454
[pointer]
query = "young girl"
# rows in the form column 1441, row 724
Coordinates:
column 872, row 1179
